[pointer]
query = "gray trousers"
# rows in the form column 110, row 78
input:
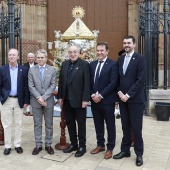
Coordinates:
column 48, row 117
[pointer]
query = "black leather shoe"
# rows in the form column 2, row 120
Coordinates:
column 70, row 149
column 49, row 150
column 139, row 161
column 36, row 150
column 19, row 150
column 121, row 155
column 7, row 151
column 80, row 152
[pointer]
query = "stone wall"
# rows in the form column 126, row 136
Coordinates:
column 34, row 25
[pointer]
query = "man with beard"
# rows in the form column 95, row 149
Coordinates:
column 132, row 72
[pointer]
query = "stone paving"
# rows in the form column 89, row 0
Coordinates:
column 156, row 156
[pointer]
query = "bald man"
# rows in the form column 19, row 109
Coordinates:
column 14, row 96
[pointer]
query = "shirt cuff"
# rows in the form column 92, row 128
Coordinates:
column 127, row 96
column 101, row 96
column 119, row 92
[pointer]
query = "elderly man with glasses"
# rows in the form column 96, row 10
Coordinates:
column 74, row 95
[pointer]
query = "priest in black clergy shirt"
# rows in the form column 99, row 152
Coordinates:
column 73, row 96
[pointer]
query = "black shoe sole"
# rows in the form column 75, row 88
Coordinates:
column 126, row 156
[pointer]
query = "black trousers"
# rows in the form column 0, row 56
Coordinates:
column 75, row 116
column 132, row 120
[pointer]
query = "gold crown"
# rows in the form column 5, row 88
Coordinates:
column 78, row 12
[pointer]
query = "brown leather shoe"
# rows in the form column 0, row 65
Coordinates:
column 108, row 154
column 49, row 150
column 97, row 150
column 36, row 150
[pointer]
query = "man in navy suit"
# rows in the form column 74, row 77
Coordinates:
column 104, row 79
column 14, row 96
column 132, row 72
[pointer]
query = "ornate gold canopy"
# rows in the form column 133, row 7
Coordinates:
column 78, row 30
column 77, row 34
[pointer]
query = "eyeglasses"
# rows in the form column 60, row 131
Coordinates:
column 40, row 58
column 72, row 52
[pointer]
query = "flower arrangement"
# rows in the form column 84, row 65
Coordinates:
column 57, row 62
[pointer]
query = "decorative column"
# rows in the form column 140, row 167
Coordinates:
column 166, row 15
column 133, row 19
column 148, row 51
column 63, row 144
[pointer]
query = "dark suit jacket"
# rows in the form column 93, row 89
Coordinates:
column 27, row 64
column 108, row 81
column 79, row 86
column 22, row 82
column 133, row 81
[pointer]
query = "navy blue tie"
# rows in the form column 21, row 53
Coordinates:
column 97, row 75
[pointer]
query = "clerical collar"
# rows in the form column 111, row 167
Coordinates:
column 74, row 62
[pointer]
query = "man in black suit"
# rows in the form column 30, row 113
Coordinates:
column 74, row 95
column 31, row 62
column 14, row 96
column 104, row 79
column 132, row 72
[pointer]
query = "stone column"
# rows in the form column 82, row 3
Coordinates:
column 133, row 19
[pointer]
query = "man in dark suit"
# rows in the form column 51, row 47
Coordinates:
column 132, row 72
column 74, row 95
column 104, row 79
column 31, row 62
column 14, row 96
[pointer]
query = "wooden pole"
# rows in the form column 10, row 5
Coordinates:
column 1, row 133
column 63, row 144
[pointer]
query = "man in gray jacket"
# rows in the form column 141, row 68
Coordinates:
column 42, row 83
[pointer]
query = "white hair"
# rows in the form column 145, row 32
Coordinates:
column 32, row 54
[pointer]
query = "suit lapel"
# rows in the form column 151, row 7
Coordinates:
column 132, row 60
column 104, row 67
column 8, row 73
column 121, row 61
column 19, row 74
column 37, row 71
column 65, row 70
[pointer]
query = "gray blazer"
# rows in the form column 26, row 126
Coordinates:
column 44, row 88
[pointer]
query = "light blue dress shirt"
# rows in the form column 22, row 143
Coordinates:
column 13, row 75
